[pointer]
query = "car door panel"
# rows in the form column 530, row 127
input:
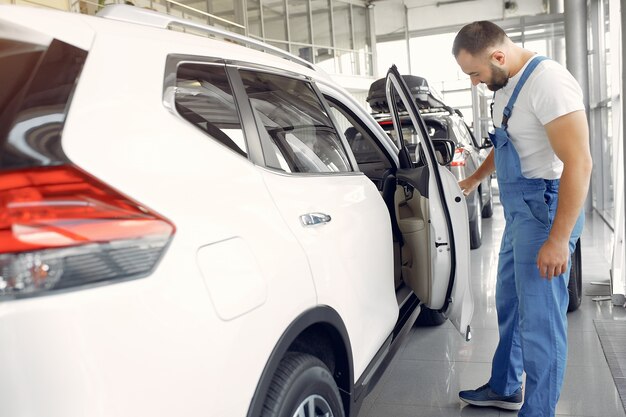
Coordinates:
column 337, row 215
column 447, row 219
column 350, row 254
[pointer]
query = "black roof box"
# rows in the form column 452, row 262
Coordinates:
column 425, row 98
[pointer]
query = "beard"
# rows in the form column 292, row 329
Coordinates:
column 499, row 78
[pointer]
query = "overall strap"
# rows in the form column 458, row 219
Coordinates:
column 508, row 110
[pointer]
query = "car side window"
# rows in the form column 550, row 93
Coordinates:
column 204, row 98
column 297, row 134
column 362, row 145
column 462, row 133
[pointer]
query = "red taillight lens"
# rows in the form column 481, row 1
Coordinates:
column 61, row 228
column 459, row 158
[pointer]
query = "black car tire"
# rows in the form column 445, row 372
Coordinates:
column 299, row 381
column 575, row 285
column 430, row 318
column 476, row 225
column 487, row 211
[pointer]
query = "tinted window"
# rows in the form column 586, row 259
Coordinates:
column 296, row 133
column 204, row 98
column 37, row 82
column 363, row 146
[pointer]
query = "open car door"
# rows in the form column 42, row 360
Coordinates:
column 432, row 216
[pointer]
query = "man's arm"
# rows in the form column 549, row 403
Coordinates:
column 569, row 137
column 486, row 168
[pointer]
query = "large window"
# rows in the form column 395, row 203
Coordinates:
column 274, row 19
column 333, row 34
column 600, row 109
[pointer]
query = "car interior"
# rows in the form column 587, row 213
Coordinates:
column 407, row 201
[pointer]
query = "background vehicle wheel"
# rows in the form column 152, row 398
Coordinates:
column 302, row 386
column 476, row 225
column 487, row 211
column 575, row 285
column 428, row 318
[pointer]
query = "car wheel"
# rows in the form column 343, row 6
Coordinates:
column 428, row 318
column 487, row 211
column 302, row 386
column 476, row 225
column 575, row 285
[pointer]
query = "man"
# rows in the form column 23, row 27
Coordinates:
column 543, row 165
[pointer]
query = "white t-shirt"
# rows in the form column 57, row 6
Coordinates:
column 550, row 92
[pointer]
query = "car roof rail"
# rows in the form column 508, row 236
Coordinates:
column 133, row 14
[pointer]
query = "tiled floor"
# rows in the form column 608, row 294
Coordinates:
column 435, row 363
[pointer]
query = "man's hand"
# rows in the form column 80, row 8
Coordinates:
column 468, row 185
column 552, row 258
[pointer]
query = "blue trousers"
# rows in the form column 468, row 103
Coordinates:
column 532, row 310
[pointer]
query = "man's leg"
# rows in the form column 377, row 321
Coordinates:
column 507, row 364
column 504, row 388
column 542, row 315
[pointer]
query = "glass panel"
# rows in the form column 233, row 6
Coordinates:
column 303, row 51
column 299, row 25
column 362, row 41
column 204, row 98
column 408, row 133
column 325, row 59
column 364, row 63
column 274, row 21
column 224, row 9
column 254, row 17
column 607, row 164
column 281, row 45
column 596, row 153
column 395, row 52
column 321, row 23
column 198, row 5
column 363, row 147
column 346, row 61
column 461, row 133
column 607, row 52
column 296, row 133
column 343, row 26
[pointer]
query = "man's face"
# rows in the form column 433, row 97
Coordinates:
column 483, row 70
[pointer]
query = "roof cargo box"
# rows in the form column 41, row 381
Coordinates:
column 425, row 97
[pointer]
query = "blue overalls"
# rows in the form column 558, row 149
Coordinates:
column 532, row 310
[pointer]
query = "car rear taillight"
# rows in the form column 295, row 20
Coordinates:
column 459, row 158
column 61, row 228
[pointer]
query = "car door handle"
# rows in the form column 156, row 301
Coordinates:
column 314, row 219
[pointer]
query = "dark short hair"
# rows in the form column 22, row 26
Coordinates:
column 476, row 37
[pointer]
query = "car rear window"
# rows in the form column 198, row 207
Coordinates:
column 38, row 79
column 205, row 99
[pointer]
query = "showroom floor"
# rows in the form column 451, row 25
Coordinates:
column 435, row 363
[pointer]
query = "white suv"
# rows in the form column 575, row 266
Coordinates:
column 186, row 230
